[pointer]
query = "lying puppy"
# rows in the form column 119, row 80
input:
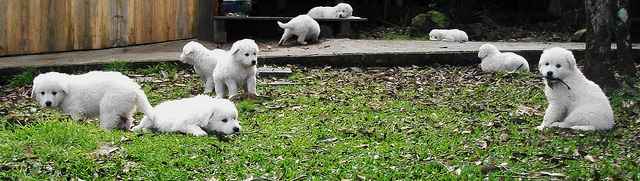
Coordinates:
column 237, row 68
column 110, row 95
column 303, row 26
column 342, row 10
column 574, row 101
column 197, row 116
column 493, row 60
column 448, row 35
column 203, row 61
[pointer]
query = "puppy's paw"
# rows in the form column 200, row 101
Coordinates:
column 199, row 133
column 541, row 127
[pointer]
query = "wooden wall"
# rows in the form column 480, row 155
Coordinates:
column 38, row 26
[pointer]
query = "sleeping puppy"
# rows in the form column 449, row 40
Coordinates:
column 111, row 96
column 341, row 10
column 455, row 35
column 303, row 26
column 574, row 101
column 495, row 61
column 203, row 61
column 199, row 116
column 237, row 69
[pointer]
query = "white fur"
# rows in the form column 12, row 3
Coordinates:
column 203, row 61
column 302, row 26
column 341, row 10
column 197, row 115
column 581, row 105
column 237, row 68
column 493, row 60
column 111, row 96
column 448, row 35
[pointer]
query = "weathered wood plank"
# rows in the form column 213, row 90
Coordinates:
column 37, row 26
column 3, row 27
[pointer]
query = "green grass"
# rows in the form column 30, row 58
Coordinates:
column 428, row 123
column 22, row 79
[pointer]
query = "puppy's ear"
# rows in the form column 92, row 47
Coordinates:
column 483, row 52
column 571, row 61
column 235, row 51
column 33, row 92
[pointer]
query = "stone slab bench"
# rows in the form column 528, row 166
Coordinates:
column 220, row 28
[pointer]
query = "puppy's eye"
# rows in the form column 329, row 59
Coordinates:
column 54, row 93
column 546, row 63
column 42, row 93
column 246, row 54
column 558, row 65
column 224, row 120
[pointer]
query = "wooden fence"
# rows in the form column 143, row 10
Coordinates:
column 37, row 26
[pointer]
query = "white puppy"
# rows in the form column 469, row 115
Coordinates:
column 302, row 26
column 197, row 115
column 237, row 69
column 574, row 101
column 448, row 35
column 110, row 95
column 493, row 60
column 342, row 10
column 203, row 61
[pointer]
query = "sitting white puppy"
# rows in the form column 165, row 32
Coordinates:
column 574, row 101
column 302, row 26
column 493, row 60
column 341, row 10
column 203, row 61
column 110, row 95
column 197, row 115
column 237, row 69
column 448, row 35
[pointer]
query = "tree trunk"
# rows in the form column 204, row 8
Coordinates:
column 598, row 41
column 621, row 20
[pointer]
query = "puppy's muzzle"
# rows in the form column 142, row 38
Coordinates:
column 253, row 62
column 48, row 103
column 236, row 129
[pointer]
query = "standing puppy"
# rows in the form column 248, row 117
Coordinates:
column 574, row 101
column 302, row 26
column 341, row 10
column 203, row 61
column 109, row 95
column 493, row 60
column 197, row 116
column 237, row 69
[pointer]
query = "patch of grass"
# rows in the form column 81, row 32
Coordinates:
column 22, row 79
column 428, row 123
column 165, row 69
column 118, row 66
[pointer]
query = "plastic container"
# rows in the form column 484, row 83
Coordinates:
column 236, row 7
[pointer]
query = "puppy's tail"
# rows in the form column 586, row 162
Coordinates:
column 282, row 25
column 143, row 104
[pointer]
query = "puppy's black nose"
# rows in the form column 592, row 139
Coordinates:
column 48, row 103
column 549, row 74
column 253, row 62
column 236, row 129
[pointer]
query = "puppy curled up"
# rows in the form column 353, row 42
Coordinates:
column 341, row 10
column 199, row 116
column 110, row 96
column 305, row 28
column 203, row 61
column 495, row 61
column 453, row 35
column 575, row 102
